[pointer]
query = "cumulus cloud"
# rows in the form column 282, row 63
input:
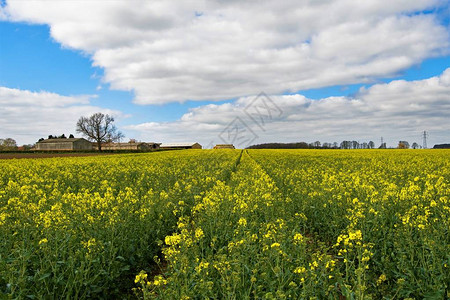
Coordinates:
column 166, row 51
column 370, row 114
column 26, row 116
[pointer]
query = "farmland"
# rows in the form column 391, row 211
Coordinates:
column 272, row 224
column 19, row 155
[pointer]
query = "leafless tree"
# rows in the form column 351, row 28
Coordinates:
column 99, row 128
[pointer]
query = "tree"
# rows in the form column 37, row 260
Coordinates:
column 71, row 136
column 415, row 145
column 345, row 144
column 27, row 147
column 403, row 145
column 8, row 144
column 371, row 145
column 99, row 128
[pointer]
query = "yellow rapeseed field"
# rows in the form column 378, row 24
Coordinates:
column 227, row 224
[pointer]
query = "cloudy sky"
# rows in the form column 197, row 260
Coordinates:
column 228, row 71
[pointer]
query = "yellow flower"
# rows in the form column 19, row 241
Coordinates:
column 201, row 266
column 140, row 277
column 43, row 241
column 381, row 279
column 313, row 265
column 199, row 233
column 274, row 245
column 300, row 270
column 159, row 280
column 298, row 237
column 172, row 240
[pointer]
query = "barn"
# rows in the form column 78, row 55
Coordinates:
column 64, row 144
column 181, row 146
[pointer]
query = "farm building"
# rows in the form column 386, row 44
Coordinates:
column 224, row 146
column 64, row 144
column 129, row 146
column 181, row 146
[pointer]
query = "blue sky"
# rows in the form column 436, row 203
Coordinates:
column 30, row 59
column 159, row 84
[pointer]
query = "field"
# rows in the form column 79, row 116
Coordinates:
column 227, row 224
column 18, row 155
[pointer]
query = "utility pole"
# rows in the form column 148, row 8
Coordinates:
column 425, row 135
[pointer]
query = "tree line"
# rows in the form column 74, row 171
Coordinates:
column 316, row 145
column 334, row 145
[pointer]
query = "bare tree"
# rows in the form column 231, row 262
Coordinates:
column 99, row 128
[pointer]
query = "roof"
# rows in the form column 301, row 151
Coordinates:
column 178, row 145
column 224, row 146
column 58, row 140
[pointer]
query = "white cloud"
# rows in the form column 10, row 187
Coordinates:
column 26, row 116
column 169, row 51
column 16, row 97
column 372, row 113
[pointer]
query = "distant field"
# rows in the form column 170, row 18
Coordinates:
column 227, row 224
column 62, row 154
column 46, row 155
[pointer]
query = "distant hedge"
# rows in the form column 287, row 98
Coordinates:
column 442, row 146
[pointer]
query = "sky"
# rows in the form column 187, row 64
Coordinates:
column 241, row 72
